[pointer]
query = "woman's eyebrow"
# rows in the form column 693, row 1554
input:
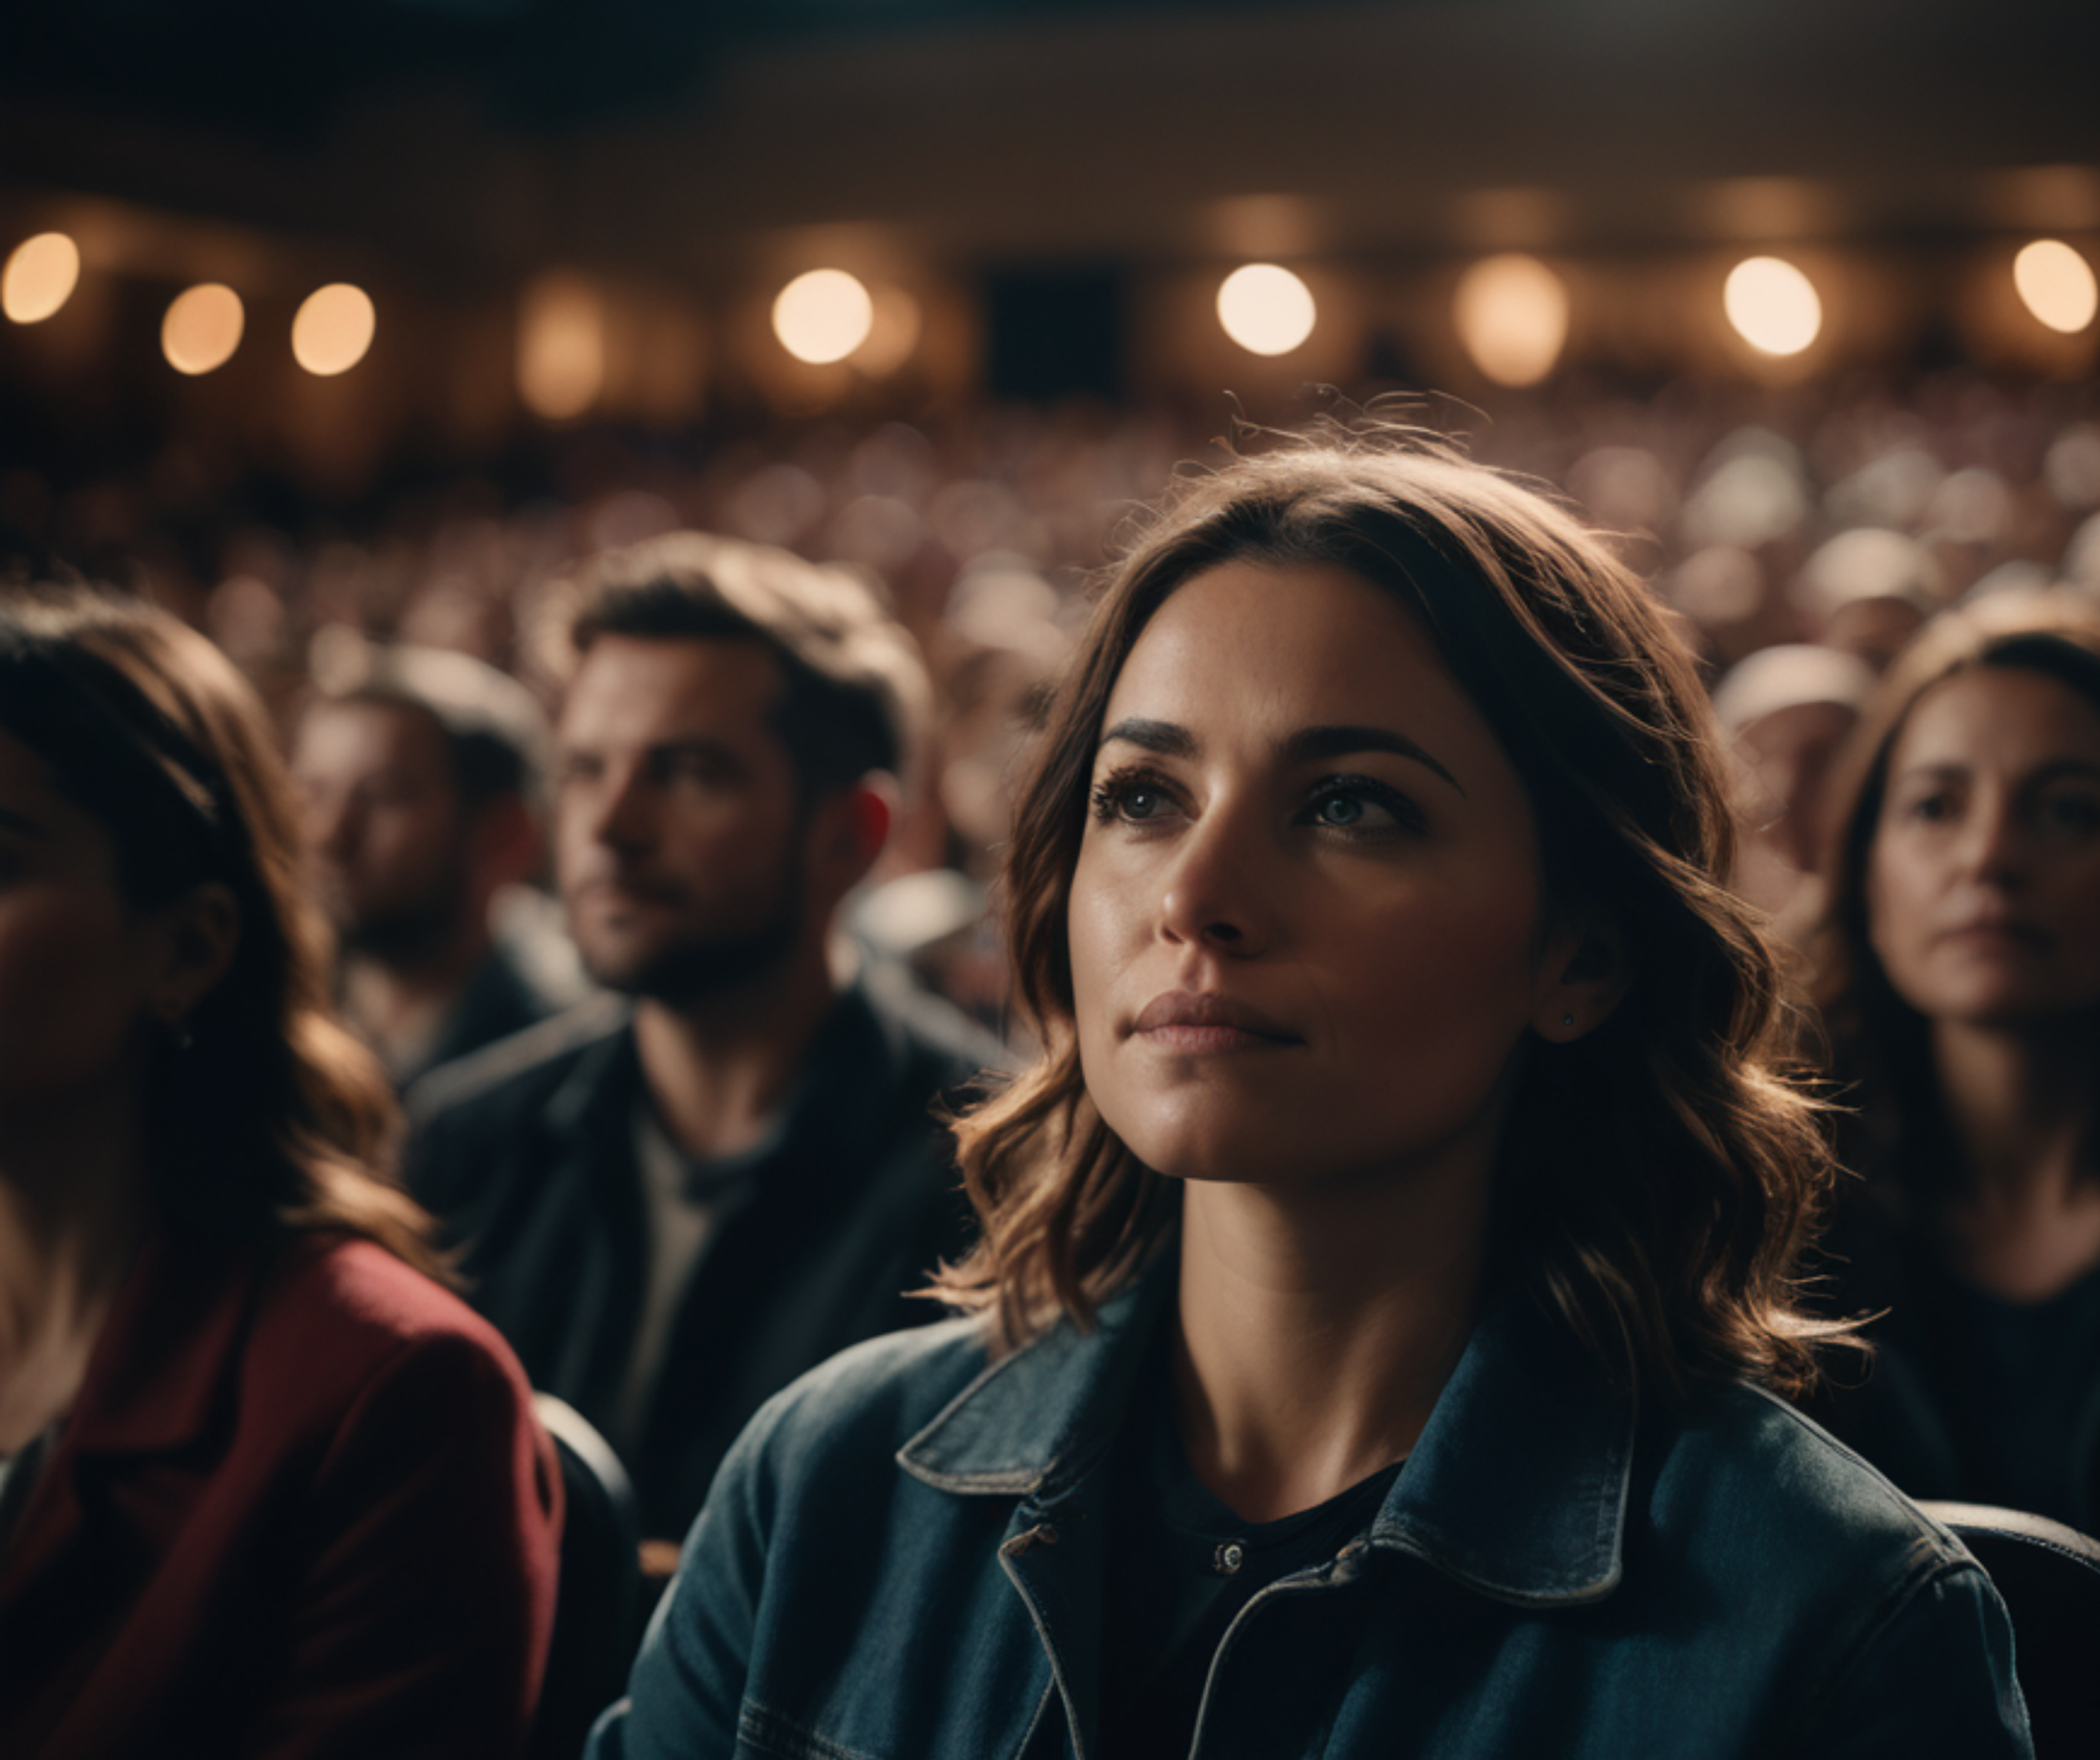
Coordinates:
column 2054, row 769
column 1309, row 744
column 19, row 823
column 1170, row 739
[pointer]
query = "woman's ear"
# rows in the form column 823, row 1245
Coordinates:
column 196, row 936
column 1586, row 971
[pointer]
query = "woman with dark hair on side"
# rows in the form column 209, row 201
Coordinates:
column 1960, row 974
column 268, row 1488
column 1385, row 1282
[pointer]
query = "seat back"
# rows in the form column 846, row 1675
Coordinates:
column 2050, row 1577
column 596, row 1603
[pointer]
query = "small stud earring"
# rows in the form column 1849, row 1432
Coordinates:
column 1568, row 1020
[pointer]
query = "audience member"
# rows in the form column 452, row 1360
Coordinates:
column 1380, row 1262
column 419, row 773
column 676, row 1199
column 1867, row 592
column 1961, row 977
column 265, row 1488
column 1785, row 711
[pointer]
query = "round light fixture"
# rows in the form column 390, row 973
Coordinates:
column 1266, row 308
column 560, row 346
column 2056, row 284
column 1773, row 305
column 1512, row 312
column 40, row 274
column 202, row 328
column 333, row 329
column 822, row 316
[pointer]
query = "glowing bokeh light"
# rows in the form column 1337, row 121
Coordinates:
column 1773, row 305
column 560, row 346
column 2056, row 284
column 822, row 316
column 40, row 274
column 333, row 329
column 1512, row 312
column 1266, row 308
column 202, row 328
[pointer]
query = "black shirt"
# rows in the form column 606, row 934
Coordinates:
column 2019, row 1383
column 1182, row 1566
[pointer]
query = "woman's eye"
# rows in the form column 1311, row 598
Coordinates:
column 1130, row 799
column 1364, row 806
column 2071, row 815
column 1339, row 810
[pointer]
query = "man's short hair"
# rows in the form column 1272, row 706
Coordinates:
column 855, row 692
column 495, row 732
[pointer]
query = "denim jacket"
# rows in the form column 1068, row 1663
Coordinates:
column 904, row 1559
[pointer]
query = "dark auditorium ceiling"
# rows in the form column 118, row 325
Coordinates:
column 476, row 138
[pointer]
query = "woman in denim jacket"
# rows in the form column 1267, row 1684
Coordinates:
column 1376, row 1341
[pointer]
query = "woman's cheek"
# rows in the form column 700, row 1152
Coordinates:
column 65, row 1015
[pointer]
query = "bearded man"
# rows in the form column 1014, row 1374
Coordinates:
column 678, row 1197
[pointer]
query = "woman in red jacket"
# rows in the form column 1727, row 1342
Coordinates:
column 266, row 1488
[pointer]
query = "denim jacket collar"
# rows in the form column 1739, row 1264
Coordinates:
column 1517, row 1487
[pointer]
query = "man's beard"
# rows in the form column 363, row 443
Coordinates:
column 403, row 935
column 700, row 970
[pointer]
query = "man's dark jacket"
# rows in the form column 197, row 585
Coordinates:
column 526, row 1153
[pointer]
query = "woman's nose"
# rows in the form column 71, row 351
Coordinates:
column 1214, row 892
column 1994, row 844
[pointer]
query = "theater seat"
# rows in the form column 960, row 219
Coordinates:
column 596, row 1606
column 2049, row 1575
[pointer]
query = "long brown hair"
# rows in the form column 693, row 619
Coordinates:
column 276, row 1115
column 1880, row 1043
column 1661, row 1175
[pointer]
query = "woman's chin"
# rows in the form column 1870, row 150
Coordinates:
column 1189, row 1158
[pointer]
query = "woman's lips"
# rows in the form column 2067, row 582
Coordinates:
column 1987, row 934
column 1189, row 1020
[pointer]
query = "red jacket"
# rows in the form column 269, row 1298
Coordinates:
column 303, row 1509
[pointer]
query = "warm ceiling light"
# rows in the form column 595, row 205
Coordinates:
column 2057, row 285
column 822, row 316
column 560, row 346
column 333, row 329
column 39, row 278
column 1266, row 308
column 202, row 328
column 1773, row 305
column 1512, row 312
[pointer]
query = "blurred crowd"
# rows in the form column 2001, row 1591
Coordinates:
column 1832, row 519
column 1803, row 536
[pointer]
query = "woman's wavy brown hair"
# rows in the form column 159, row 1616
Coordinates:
column 276, row 1117
column 1880, row 1044
column 1661, row 1175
